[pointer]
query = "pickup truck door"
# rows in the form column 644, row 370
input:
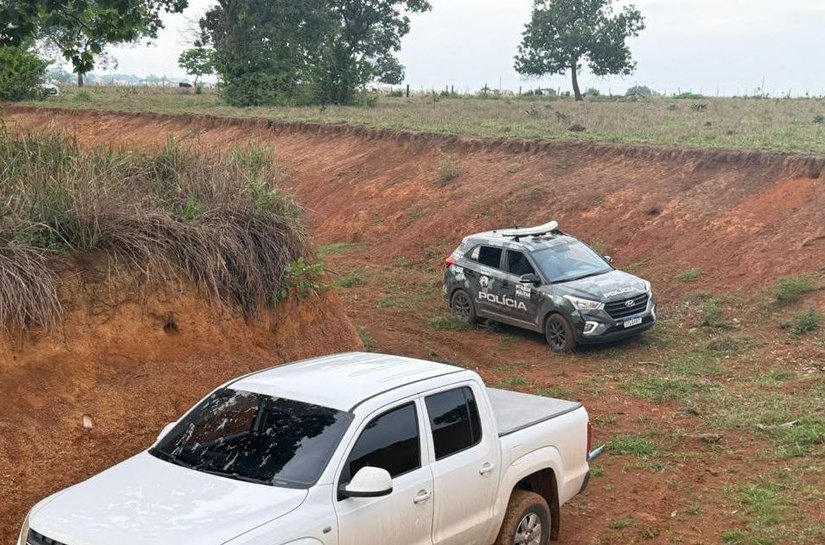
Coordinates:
column 391, row 440
column 466, row 466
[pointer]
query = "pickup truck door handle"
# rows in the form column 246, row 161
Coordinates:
column 486, row 469
column 422, row 496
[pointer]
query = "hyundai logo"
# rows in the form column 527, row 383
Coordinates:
column 630, row 303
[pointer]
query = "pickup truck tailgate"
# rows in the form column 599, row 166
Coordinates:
column 515, row 411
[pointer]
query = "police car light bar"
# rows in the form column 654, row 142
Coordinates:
column 532, row 231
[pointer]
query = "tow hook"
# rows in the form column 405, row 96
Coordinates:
column 595, row 453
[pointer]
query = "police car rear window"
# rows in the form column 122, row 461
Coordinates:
column 487, row 255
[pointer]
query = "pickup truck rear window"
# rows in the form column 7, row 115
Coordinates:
column 257, row 438
column 454, row 421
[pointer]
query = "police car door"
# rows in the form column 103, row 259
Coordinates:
column 520, row 300
column 487, row 284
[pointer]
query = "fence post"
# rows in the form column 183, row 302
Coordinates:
column 408, row 90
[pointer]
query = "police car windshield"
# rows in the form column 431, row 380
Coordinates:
column 568, row 261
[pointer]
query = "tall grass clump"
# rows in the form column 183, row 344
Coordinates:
column 219, row 222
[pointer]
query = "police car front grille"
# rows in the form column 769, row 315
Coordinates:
column 626, row 307
column 35, row 538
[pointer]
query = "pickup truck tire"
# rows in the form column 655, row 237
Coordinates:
column 462, row 307
column 559, row 334
column 527, row 521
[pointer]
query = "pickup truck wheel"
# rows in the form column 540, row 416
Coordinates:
column 527, row 521
column 559, row 334
column 462, row 307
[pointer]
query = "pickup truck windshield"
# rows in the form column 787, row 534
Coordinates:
column 256, row 438
column 569, row 261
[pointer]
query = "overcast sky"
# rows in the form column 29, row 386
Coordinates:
column 698, row 45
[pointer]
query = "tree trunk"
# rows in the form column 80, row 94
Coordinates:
column 79, row 79
column 576, row 91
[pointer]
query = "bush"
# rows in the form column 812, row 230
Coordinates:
column 593, row 92
column 640, row 91
column 21, row 72
column 688, row 95
column 220, row 222
column 448, row 169
column 807, row 322
column 792, row 288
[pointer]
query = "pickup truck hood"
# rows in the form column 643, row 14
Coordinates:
column 611, row 286
column 147, row 501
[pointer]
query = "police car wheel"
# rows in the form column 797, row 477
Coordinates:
column 462, row 307
column 559, row 334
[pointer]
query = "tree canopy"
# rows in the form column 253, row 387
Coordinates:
column 306, row 51
column 564, row 34
column 81, row 29
column 198, row 61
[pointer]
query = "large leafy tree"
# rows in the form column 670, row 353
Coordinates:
column 364, row 37
column 299, row 51
column 264, row 49
column 81, row 29
column 564, row 34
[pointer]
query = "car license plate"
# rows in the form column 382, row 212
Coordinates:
column 633, row 322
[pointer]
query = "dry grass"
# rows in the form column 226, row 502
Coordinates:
column 220, row 222
column 786, row 125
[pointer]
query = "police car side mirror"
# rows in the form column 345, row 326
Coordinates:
column 530, row 279
column 608, row 259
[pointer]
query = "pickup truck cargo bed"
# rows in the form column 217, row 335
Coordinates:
column 515, row 411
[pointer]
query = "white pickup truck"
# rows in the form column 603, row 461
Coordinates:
column 351, row 449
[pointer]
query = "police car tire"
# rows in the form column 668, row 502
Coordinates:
column 468, row 312
column 555, row 324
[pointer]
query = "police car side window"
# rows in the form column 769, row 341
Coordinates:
column 487, row 255
column 518, row 264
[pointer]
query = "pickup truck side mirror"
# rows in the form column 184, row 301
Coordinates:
column 608, row 259
column 530, row 278
column 369, row 482
column 166, row 429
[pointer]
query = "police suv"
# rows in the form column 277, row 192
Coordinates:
column 546, row 281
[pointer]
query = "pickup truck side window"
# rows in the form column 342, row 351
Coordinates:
column 487, row 255
column 390, row 441
column 454, row 421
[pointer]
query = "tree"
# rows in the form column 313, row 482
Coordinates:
column 363, row 39
column 81, row 29
column 265, row 50
column 563, row 34
column 197, row 62
column 21, row 71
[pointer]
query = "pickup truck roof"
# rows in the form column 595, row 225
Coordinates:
column 342, row 381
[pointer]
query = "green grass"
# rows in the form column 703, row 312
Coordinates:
column 792, row 288
column 660, row 389
column 337, row 248
column 785, row 125
column 690, row 275
column 448, row 323
column 633, row 446
column 807, row 322
column 352, row 281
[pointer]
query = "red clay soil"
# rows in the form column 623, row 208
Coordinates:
column 736, row 216
column 744, row 219
column 131, row 360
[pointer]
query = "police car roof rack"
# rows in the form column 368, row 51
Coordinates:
column 538, row 231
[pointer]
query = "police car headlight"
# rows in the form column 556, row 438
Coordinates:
column 584, row 304
column 647, row 286
column 24, row 531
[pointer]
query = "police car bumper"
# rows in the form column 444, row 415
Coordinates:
column 599, row 327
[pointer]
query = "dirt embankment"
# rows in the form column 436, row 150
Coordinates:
column 130, row 360
column 742, row 218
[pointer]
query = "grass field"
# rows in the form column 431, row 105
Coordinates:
column 784, row 125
